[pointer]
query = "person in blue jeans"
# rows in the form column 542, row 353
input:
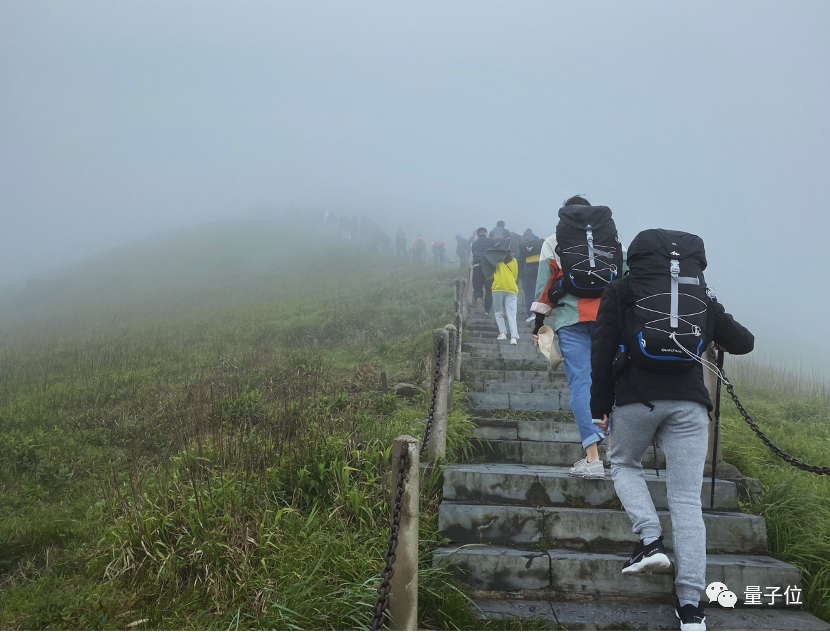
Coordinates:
column 574, row 322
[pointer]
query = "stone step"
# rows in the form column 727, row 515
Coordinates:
column 598, row 575
column 557, row 453
column 545, row 486
column 536, row 377
column 569, row 527
column 609, row 615
column 522, row 386
column 538, row 363
column 544, row 401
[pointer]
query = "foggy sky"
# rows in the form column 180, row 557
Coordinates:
column 119, row 120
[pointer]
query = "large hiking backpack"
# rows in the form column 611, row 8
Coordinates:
column 589, row 249
column 668, row 301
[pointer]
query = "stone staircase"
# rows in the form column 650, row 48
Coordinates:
column 531, row 541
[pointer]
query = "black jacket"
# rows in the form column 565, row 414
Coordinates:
column 480, row 246
column 636, row 385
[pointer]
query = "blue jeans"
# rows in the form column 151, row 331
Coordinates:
column 575, row 345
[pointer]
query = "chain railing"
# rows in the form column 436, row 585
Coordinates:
column 795, row 462
column 447, row 346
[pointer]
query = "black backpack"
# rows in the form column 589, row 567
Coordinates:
column 589, row 249
column 667, row 300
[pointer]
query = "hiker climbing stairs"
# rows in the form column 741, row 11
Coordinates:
column 531, row 541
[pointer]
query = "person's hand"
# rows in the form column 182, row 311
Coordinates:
column 602, row 425
column 535, row 340
column 717, row 347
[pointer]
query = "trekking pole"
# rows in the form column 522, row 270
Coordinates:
column 654, row 448
column 717, row 430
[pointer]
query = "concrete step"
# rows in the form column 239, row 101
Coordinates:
column 535, row 377
column 520, row 386
column 608, row 615
column 538, row 363
column 587, row 574
column 558, row 453
column 608, row 530
column 544, row 486
column 544, row 401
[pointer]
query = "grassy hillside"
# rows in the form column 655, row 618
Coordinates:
column 191, row 434
column 792, row 410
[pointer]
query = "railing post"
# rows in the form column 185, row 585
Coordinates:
column 462, row 302
column 452, row 345
column 403, row 598
column 711, row 381
column 437, row 445
column 470, row 287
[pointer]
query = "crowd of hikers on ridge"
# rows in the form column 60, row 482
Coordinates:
column 633, row 326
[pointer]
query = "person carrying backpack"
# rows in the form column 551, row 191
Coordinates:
column 438, row 252
column 419, row 248
column 577, row 263
column 530, row 251
column 647, row 361
column 500, row 232
column 481, row 286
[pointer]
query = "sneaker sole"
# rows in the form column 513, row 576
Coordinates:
column 656, row 562
column 691, row 627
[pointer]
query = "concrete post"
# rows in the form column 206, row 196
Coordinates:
column 455, row 359
column 711, row 381
column 403, row 597
column 437, row 445
column 456, row 367
column 470, row 287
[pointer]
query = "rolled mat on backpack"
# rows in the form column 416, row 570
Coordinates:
column 548, row 347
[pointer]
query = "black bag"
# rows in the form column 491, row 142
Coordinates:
column 589, row 249
column 667, row 301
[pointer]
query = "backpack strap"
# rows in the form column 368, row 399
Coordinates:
column 676, row 280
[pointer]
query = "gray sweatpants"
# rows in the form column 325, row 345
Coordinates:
column 681, row 430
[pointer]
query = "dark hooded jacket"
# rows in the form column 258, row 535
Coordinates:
column 636, row 385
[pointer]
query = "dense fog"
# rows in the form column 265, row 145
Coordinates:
column 123, row 120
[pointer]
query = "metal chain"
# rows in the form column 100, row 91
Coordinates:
column 382, row 602
column 795, row 462
column 431, row 416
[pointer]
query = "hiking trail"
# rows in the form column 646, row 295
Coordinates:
column 531, row 541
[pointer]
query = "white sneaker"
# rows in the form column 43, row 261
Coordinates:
column 501, row 337
column 513, row 341
column 531, row 318
column 591, row 471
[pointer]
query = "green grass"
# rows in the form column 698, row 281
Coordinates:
column 796, row 505
column 191, row 435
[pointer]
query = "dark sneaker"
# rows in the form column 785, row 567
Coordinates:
column 691, row 617
column 647, row 558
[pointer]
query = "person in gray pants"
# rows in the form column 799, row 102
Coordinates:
column 636, row 401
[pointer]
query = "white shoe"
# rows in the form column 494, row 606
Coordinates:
column 531, row 318
column 590, row 471
column 501, row 337
column 513, row 341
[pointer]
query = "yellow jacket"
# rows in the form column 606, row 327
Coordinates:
column 504, row 279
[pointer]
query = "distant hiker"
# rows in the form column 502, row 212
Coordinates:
column 505, row 297
column 400, row 243
column 530, row 251
column 577, row 263
column 462, row 251
column 499, row 232
column 419, row 248
column 481, row 287
column 647, row 375
column 439, row 249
